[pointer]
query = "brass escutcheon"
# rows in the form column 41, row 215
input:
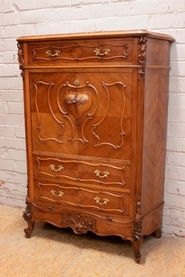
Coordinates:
column 76, row 82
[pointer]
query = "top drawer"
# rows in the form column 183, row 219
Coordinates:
column 73, row 52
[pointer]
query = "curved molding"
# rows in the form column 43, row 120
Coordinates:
column 120, row 122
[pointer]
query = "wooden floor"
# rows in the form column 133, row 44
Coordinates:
column 54, row 252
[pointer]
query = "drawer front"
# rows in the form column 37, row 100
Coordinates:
column 75, row 196
column 73, row 52
column 82, row 171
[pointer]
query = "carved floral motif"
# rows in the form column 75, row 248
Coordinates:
column 77, row 106
column 79, row 224
column 27, row 214
column 74, row 102
column 20, row 58
column 142, row 55
column 137, row 221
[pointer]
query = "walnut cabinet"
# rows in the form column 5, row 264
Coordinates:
column 95, row 116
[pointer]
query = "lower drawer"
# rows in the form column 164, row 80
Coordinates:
column 97, row 199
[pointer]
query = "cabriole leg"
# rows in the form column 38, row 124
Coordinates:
column 27, row 215
column 29, row 230
column 136, row 248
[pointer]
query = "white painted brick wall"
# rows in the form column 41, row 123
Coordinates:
column 18, row 17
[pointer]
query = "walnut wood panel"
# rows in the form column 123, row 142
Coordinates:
column 158, row 53
column 155, row 126
column 95, row 116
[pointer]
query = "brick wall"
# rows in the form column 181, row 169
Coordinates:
column 34, row 17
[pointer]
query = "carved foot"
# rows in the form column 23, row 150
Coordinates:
column 27, row 215
column 27, row 233
column 29, row 230
column 136, row 248
column 158, row 233
column 138, row 258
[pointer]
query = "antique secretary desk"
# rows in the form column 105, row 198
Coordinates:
column 95, row 115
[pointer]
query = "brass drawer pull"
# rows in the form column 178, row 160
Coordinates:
column 52, row 53
column 54, row 193
column 52, row 166
column 105, row 53
column 104, row 174
column 104, row 200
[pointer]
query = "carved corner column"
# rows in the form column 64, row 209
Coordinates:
column 142, row 47
column 21, row 58
column 137, row 236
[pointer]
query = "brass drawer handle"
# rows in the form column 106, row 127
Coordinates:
column 105, row 53
column 52, row 53
column 52, row 166
column 54, row 193
column 104, row 174
column 104, row 200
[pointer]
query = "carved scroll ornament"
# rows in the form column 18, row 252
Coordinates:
column 27, row 215
column 80, row 224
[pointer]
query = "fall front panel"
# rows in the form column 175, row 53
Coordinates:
column 82, row 114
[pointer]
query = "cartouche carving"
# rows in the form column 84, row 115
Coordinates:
column 142, row 47
column 77, row 106
column 80, row 224
column 76, row 100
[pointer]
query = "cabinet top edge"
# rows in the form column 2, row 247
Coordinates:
column 113, row 34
